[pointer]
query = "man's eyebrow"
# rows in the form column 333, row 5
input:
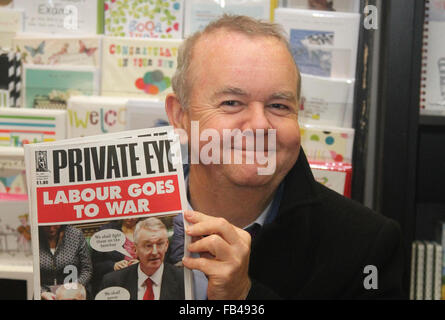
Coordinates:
column 283, row 95
column 230, row 91
column 280, row 95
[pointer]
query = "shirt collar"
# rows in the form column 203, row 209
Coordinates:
column 155, row 277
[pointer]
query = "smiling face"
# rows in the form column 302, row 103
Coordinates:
column 151, row 247
column 245, row 83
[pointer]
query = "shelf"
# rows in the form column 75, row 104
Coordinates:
column 425, row 120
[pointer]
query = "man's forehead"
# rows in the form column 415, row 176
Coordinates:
column 230, row 38
column 148, row 234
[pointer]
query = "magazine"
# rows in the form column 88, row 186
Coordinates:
column 101, row 217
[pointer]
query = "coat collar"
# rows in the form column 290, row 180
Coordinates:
column 300, row 187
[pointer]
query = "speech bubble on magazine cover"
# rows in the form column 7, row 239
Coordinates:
column 108, row 240
column 113, row 293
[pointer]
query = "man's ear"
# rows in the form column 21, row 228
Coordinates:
column 177, row 116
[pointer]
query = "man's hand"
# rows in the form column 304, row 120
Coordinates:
column 224, row 255
column 48, row 296
column 120, row 265
column 133, row 261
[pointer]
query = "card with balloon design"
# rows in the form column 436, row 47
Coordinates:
column 322, row 143
column 136, row 67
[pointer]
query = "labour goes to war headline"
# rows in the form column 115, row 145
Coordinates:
column 106, row 180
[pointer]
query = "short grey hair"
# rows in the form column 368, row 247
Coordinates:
column 150, row 224
column 181, row 82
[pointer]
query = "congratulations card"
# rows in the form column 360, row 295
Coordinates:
column 138, row 67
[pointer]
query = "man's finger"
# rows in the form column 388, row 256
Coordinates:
column 213, row 244
column 203, row 225
column 205, row 265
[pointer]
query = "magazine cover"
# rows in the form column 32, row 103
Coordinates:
column 325, row 5
column 92, row 115
column 11, row 22
column 144, row 19
column 324, row 143
column 60, row 16
column 55, row 50
column 198, row 13
column 49, row 87
column 138, row 67
column 20, row 126
column 15, row 230
column 331, row 106
column 145, row 113
column 102, row 210
column 323, row 43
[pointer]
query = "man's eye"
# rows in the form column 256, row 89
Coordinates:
column 279, row 106
column 232, row 103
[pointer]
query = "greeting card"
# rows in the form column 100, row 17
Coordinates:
column 141, row 68
column 144, row 18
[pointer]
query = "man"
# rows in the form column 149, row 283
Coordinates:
column 151, row 278
column 312, row 243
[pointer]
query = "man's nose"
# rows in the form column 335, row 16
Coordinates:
column 257, row 117
column 155, row 249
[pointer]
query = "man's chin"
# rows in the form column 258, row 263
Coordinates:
column 248, row 175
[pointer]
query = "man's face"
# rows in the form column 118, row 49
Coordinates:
column 247, row 84
column 151, row 247
column 52, row 231
column 130, row 223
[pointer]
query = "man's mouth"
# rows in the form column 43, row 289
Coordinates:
column 153, row 259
